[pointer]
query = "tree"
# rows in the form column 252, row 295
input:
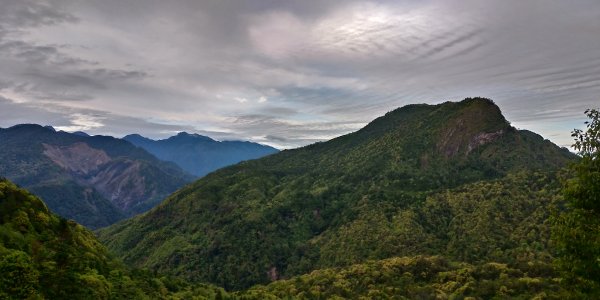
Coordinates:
column 18, row 277
column 577, row 230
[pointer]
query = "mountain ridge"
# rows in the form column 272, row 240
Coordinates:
column 302, row 209
column 95, row 180
column 198, row 154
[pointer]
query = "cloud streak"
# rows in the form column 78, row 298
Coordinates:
column 288, row 73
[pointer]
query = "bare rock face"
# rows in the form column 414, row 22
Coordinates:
column 482, row 139
column 119, row 180
column 78, row 158
column 476, row 124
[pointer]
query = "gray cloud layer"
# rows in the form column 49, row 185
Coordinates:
column 289, row 73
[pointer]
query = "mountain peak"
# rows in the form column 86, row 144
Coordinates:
column 191, row 136
column 289, row 212
column 448, row 128
column 200, row 154
column 26, row 126
column 81, row 133
column 136, row 137
column 471, row 123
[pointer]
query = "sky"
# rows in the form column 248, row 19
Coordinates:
column 290, row 73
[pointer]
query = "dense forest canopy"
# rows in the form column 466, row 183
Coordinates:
column 453, row 179
column 577, row 231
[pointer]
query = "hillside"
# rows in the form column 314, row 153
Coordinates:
column 453, row 179
column 200, row 155
column 95, row 180
column 418, row 277
column 44, row 256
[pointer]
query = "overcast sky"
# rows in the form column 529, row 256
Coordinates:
column 289, row 73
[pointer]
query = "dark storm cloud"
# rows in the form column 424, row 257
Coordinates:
column 293, row 72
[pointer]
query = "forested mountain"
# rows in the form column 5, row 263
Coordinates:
column 200, row 155
column 453, row 179
column 419, row 277
column 95, row 180
column 44, row 256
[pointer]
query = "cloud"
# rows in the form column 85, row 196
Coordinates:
column 314, row 69
column 32, row 13
column 289, row 133
column 81, row 122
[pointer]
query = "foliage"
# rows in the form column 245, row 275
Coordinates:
column 577, row 230
column 452, row 179
column 419, row 277
column 45, row 256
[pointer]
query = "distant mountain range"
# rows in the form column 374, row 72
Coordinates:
column 200, row 155
column 454, row 179
column 95, row 180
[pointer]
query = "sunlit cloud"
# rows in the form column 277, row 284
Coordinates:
column 291, row 73
column 80, row 122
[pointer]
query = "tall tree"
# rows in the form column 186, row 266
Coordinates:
column 577, row 230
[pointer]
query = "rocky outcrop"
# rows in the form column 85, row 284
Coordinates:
column 120, row 180
column 78, row 158
column 477, row 123
column 482, row 139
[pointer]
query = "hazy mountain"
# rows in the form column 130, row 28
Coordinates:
column 95, row 180
column 200, row 155
column 453, row 179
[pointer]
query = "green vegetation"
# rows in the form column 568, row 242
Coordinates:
column 44, row 256
column 577, row 231
column 416, row 278
column 453, row 179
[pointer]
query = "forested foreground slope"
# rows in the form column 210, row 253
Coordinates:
column 420, row 277
column 453, row 179
column 44, row 256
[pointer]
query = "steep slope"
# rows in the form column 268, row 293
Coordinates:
column 94, row 180
column 44, row 256
column 393, row 188
column 200, row 155
column 35, row 245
